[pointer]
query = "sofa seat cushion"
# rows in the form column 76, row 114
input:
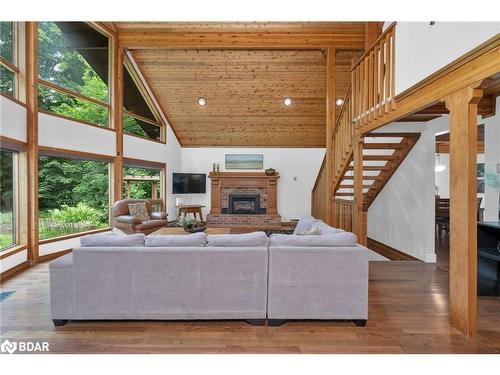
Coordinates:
column 187, row 240
column 254, row 239
column 129, row 240
column 325, row 228
column 148, row 224
column 344, row 239
column 304, row 224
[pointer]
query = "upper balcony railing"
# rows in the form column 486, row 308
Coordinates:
column 372, row 80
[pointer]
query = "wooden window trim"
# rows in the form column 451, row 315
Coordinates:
column 143, row 137
column 12, row 144
column 73, row 93
column 8, row 65
column 76, row 120
column 73, row 235
column 73, row 154
column 141, row 163
column 7, row 252
column 144, row 119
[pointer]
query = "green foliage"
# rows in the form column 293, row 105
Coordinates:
column 69, row 219
column 184, row 221
column 140, row 189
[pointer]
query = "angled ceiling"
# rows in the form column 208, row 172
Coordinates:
column 244, row 70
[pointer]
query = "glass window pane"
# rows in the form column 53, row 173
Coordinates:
column 134, row 126
column 141, row 183
column 7, row 41
column 133, row 101
column 73, row 196
column 75, row 56
column 6, row 81
column 7, row 206
column 63, row 104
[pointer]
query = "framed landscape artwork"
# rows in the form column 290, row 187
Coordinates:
column 244, row 161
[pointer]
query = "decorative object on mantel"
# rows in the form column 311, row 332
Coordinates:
column 213, row 167
column 218, row 168
column 244, row 161
column 270, row 171
column 191, row 225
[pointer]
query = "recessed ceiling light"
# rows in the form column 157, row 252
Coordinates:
column 287, row 101
column 339, row 102
column 202, row 101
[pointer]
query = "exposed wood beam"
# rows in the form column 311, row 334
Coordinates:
column 462, row 105
column 330, row 123
column 117, row 113
column 372, row 31
column 32, row 139
column 150, row 39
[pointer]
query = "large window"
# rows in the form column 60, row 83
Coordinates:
column 8, row 67
column 138, row 118
column 73, row 196
column 142, row 183
column 73, row 68
column 7, row 199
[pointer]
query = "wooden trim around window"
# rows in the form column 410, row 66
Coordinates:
column 13, row 271
column 141, row 118
column 12, row 144
column 73, row 235
column 8, row 65
column 105, row 127
column 131, row 162
column 143, row 137
column 52, row 256
column 73, row 93
column 12, row 250
column 72, row 154
column 11, row 98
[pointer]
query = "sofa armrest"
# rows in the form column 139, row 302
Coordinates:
column 127, row 219
column 158, row 215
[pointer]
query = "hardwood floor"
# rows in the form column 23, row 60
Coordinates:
column 408, row 313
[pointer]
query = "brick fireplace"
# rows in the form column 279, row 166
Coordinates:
column 244, row 199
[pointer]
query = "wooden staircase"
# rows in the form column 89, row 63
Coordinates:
column 383, row 153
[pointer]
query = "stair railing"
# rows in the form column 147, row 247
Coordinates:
column 372, row 80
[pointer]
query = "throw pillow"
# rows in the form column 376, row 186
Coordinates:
column 139, row 210
column 314, row 231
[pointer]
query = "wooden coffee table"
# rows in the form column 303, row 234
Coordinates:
column 179, row 231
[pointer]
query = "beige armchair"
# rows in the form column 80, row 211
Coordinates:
column 130, row 224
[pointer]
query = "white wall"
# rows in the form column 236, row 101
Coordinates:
column 422, row 49
column 294, row 196
column 62, row 133
column 402, row 216
column 12, row 119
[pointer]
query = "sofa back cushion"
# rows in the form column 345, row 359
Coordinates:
column 181, row 240
column 325, row 228
column 343, row 239
column 254, row 239
column 114, row 240
column 304, row 224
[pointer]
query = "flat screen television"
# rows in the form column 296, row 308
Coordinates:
column 189, row 183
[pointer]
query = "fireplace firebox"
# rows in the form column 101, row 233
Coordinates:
column 245, row 204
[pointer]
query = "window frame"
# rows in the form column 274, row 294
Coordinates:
column 83, row 156
column 130, row 67
column 13, row 66
column 74, row 94
column 15, row 198
column 162, row 167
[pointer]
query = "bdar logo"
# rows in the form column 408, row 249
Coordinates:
column 8, row 347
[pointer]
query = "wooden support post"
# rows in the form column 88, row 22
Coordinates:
column 372, row 32
column 32, row 138
column 359, row 216
column 117, row 120
column 330, row 123
column 463, row 206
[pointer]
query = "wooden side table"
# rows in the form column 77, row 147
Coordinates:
column 190, row 209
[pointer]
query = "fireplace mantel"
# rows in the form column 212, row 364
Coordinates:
column 225, row 183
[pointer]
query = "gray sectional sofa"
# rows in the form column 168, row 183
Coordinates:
column 194, row 277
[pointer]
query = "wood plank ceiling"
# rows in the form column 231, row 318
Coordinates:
column 244, row 87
